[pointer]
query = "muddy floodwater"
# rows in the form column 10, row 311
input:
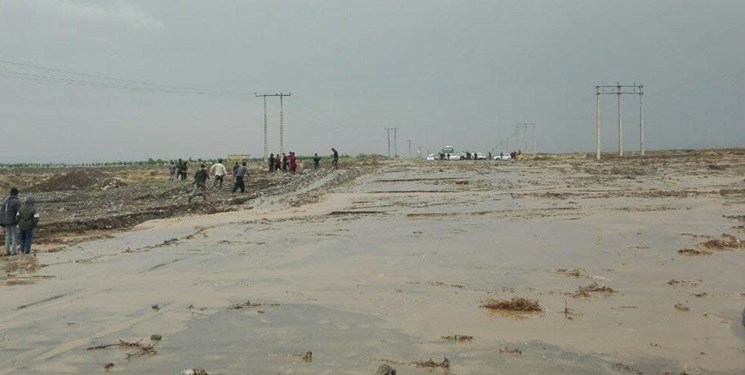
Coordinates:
column 638, row 266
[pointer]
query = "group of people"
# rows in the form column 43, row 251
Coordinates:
column 178, row 169
column 287, row 163
column 240, row 172
column 18, row 218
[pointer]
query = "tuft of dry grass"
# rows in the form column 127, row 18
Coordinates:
column 515, row 304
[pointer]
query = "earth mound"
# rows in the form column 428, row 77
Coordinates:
column 73, row 180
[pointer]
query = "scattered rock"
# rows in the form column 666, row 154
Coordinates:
column 385, row 370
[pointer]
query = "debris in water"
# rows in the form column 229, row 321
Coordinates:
column 458, row 338
column 143, row 349
column 248, row 304
column 727, row 242
column 682, row 307
column 577, row 272
column 584, row 291
column 627, row 368
column 445, row 364
column 108, row 366
column 515, row 304
column 195, row 371
column 156, row 307
column 156, row 337
column 308, row 357
column 508, row 350
column 693, row 252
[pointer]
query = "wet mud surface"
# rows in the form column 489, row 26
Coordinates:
column 393, row 268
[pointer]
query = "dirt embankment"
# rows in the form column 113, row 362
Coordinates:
column 79, row 203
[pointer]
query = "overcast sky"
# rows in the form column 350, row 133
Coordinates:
column 443, row 72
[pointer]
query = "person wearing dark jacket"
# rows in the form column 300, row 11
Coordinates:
column 8, row 219
column 200, row 183
column 239, row 175
column 316, row 161
column 271, row 162
column 28, row 219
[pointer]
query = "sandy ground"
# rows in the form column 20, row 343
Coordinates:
column 381, row 269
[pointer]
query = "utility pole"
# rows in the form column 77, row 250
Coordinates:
column 641, row 121
column 619, row 90
column 409, row 140
column 388, row 137
column 524, row 126
column 281, row 123
column 266, row 129
column 395, row 142
column 620, row 127
column 597, row 121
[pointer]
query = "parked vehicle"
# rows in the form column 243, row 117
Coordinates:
column 502, row 156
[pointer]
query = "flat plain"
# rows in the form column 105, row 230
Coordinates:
column 636, row 265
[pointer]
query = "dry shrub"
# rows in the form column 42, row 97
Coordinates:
column 515, row 304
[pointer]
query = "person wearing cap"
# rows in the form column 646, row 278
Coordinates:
column 28, row 219
column 9, row 221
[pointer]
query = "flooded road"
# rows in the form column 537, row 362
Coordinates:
column 381, row 269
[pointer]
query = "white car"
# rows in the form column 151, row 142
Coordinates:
column 502, row 156
column 479, row 156
column 431, row 157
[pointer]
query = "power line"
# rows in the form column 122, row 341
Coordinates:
column 102, row 81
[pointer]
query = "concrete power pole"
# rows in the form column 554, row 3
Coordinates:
column 395, row 142
column 409, row 141
column 281, row 123
column 388, row 137
column 620, row 126
column 619, row 90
